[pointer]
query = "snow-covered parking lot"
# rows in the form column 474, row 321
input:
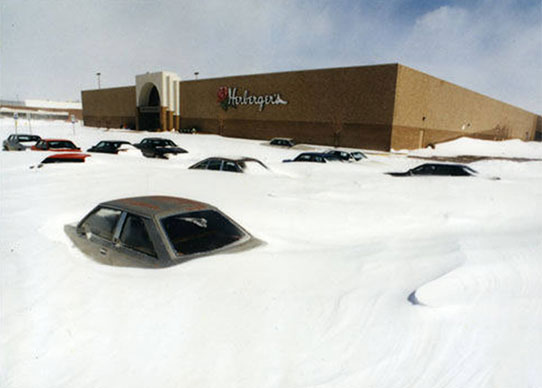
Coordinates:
column 324, row 302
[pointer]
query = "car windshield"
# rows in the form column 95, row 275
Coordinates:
column 200, row 231
column 61, row 144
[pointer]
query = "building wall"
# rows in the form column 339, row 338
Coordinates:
column 347, row 106
column 429, row 110
column 109, row 108
column 373, row 107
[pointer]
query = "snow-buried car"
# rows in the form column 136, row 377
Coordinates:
column 157, row 147
column 19, row 142
column 439, row 169
column 237, row 164
column 156, row 232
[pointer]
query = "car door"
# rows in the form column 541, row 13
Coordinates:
column 96, row 233
column 133, row 243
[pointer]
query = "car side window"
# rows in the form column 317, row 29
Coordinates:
column 134, row 235
column 102, row 222
column 230, row 166
column 447, row 170
column 423, row 170
column 214, row 164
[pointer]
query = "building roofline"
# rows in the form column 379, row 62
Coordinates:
column 291, row 72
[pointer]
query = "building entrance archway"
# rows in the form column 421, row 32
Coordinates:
column 149, row 108
column 157, row 99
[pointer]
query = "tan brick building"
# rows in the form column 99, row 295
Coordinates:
column 373, row 107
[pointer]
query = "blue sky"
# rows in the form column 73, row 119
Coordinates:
column 53, row 48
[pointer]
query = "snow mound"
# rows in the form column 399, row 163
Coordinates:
column 467, row 146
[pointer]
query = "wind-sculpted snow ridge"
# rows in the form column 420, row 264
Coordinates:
column 496, row 267
column 468, row 146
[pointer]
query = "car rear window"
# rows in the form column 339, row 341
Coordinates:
column 200, row 231
column 101, row 222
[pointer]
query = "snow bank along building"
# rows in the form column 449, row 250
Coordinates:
column 374, row 107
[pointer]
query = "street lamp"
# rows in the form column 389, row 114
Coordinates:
column 98, row 76
column 196, row 74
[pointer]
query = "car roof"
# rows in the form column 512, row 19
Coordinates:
column 157, row 205
column 23, row 134
column 233, row 158
column 444, row 164
column 155, row 138
column 336, row 151
column 312, row 153
column 57, row 140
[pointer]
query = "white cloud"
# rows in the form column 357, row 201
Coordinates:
column 52, row 49
column 495, row 50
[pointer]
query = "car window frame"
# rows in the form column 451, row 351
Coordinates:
column 95, row 210
column 234, row 163
column 221, row 161
column 41, row 145
column 119, row 245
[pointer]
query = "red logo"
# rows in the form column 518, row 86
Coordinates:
column 223, row 97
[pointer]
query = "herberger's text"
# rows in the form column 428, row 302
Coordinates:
column 228, row 97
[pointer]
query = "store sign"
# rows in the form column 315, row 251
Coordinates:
column 229, row 98
column 149, row 109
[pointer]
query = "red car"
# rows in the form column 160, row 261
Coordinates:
column 65, row 158
column 55, row 145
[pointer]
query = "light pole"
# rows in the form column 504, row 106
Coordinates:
column 196, row 74
column 98, row 76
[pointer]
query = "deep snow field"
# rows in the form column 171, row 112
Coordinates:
column 324, row 303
